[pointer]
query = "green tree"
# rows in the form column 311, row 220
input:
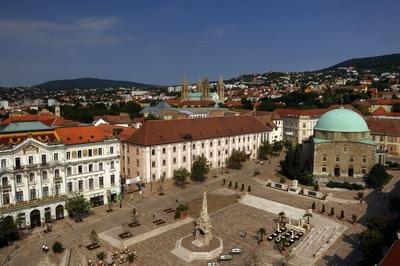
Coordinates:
column 265, row 150
column 8, row 230
column 76, row 205
column 180, row 176
column 200, row 168
column 101, row 255
column 332, row 211
column 354, row 218
column 277, row 147
column 93, row 237
column 246, row 104
column 262, row 232
column 57, row 247
column 183, row 208
column 308, row 216
column 235, row 161
column 371, row 241
column 323, row 208
column 131, row 107
column 377, row 177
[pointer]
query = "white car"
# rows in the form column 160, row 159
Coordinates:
column 236, row 251
column 225, row 257
column 212, row 264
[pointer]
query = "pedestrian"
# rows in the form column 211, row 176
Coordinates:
column 154, row 215
column 120, row 204
column 43, row 248
column 47, row 249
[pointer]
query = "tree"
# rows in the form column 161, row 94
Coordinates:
column 199, row 169
column 177, row 213
column 360, row 195
column 323, row 208
column 131, row 257
column 371, row 241
column 332, row 211
column 76, row 205
column 131, row 107
column 246, row 104
column 293, row 166
column 342, row 214
column 101, row 255
column 8, row 230
column 277, row 147
column 281, row 216
column 307, row 215
column 235, row 161
column 236, row 185
column 264, row 150
column 316, row 186
column 242, row 187
column 377, row 177
column 183, row 208
column 57, row 247
column 230, row 184
column 94, row 238
column 354, row 218
column 180, row 176
column 262, row 232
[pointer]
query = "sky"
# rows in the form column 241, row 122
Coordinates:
column 161, row 42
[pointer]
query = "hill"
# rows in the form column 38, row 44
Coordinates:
column 390, row 61
column 89, row 83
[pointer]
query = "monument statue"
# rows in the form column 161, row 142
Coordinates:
column 203, row 233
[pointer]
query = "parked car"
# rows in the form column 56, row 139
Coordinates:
column 211, row 263
column 225, row 257
column 236, row 251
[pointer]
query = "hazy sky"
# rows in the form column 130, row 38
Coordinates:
column 160, row 42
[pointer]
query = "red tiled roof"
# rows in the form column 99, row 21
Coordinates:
column 317, row 112
column 384, row 126
column 83, row 134
column 124, row 132
column 115, row 119
column 156, row 132
column 233, row 104
column 393, row 256
column 47, row 119
column 385, row 101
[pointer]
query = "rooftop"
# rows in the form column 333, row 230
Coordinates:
column 341, row 120
column 24, row 127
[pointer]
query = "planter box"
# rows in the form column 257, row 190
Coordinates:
column 125, row 235
column 92, row 246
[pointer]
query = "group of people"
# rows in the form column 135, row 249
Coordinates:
column 45, row 248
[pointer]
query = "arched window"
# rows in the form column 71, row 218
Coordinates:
column 4, row 181
column 57, row 173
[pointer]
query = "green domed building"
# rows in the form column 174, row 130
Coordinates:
column 341, row 145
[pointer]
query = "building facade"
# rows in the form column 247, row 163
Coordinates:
column 158, row 148
column 41, row 167
column 298, row 125
column 386, row 133
column 342, row 146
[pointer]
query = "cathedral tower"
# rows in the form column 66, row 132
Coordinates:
column 185, row 91
column 221, row 90
column 205, row 89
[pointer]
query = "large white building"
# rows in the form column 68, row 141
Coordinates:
column 161, row 146
column 41, row 166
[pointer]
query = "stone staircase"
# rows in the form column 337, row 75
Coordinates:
column 189, row 256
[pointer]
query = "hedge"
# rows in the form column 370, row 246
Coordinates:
column 346, row 185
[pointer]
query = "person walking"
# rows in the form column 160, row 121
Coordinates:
column 43, row 248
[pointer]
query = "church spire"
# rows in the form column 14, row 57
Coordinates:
column 221, row 89
column 185, row 90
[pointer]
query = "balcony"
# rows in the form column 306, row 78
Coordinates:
column 33, row 203
column 5, row 187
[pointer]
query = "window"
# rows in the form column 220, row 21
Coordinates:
column 17, row 163
column 137, row 162
column 19, row 179
column 153, row 176
column 304, row 125
column 226, row 142
column 80, row 169
column 194, row 146
column 337, row 159
column 364, row 159
column 184, row 147
column 137, row 151
column 32, row 194
column 6, row 199
column 164, row 162
column 44, row 175
column 111, row 150
column 219, row 143
column 211, row 154
column 174, row 160
column 324, row 158
column 19, row 196
column 68, row 155
column 345, row 149
column 31, row 177
column 100, row 151
column 174, row 149
column 80, row 185
column 239, row 140
column 30, row 160
column 57, row 189
column 153, row 164
column 226, row 152
column 219, row 153
column 57, row 173
column 4, row 181
column 90, row 183
column 79, row 154
column 184, row 159
column 90, row 152
column 3, row 163
column 101, row 181
column 100, row 166
column 164, row 150
column 55, row 157
column 351, row 159
column 69, row 171
column 153, row 152
column 233, row 140
column 112, row 165
column 202, row 145
column 323, row 169
column 69, row 187
column 90, row 167
column 211, row 143
column 45, row 192
column 43, row 158
column 112, row 180
column 363, row 171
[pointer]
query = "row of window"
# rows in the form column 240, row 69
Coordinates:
column 90, row 184
column 80, row 169
column 33, row 194
column 337, row 159
column 87, row 153
column 32, row 177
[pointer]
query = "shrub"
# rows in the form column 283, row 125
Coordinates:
column 345, row 185
column 101, row 255
column 313, row 206
column 177, row 213
column 323, row 208
column 249, row 189
column 57, row 247
column 342, row 215
column 332, row 211
column 242, row 187
column 316, row 186
column 377, row 177
column 256, row 172
column 282, row 180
